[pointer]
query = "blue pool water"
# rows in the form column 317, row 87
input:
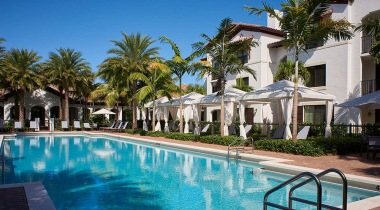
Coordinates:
column 97, row 173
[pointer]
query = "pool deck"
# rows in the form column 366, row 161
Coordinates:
column 360, row 171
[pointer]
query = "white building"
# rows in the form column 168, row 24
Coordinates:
column 344, row 69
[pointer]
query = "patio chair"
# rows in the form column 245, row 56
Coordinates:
column 33, row 125
column 123, row 127
column 112, row 126
column 77, row 125
column 205, row 129
column 373, row 146
column 64, row 125
column 302, row 134
column 1, row 125
column 95, row 126
column 231, row 129
column 18, row 125
column 87, row 126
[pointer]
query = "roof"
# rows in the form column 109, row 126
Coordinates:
column 186, row 99
column 213, row 99
column 275, row 44
column 370, row 101
column 284, row 89
column 256, row 28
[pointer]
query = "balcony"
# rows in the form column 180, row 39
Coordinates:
column 366, row 43
column 370, row 86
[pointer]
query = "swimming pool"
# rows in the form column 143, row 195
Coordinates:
column 82, row 172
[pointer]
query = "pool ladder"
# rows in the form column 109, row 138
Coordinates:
column 312, row 177
column 240, row 147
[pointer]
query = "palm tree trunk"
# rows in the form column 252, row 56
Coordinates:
column 222, row 107
column 66, row 104
column 295, row 101
column 180, row 107
column 154, row 117
column 60, row 105
column 21, row 107
column 134, row 106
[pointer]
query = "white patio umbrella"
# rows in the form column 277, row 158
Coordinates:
column 370, row 101
column 103, row 111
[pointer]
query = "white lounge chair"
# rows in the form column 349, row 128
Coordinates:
column 87, row 126
column 302, row 134
column 18, row 125
column 64, row 125
column 95, row 126
column 205, row 129
column 33, row 125
column 77, row 125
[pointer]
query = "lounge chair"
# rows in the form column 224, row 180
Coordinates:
column 373, row 145
column 95, row 126
column 278, row 133
column 87, row 126
column 33, row 125
column 18, row 125
column 112, row 126
column 302, row 134
column 77, row 125
column 205, row 129
column 231, row 129
column 119, row 126
column 64, row 125
column 123, row 127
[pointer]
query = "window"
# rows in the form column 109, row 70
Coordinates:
column 243, row 57
column 315, row 114
column 317, row 76
column 243, row 81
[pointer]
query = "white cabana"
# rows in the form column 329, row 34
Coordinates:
column 282, row 93
column 214, row 99
column 187, row 109
column 370, row 101
column 158, row 112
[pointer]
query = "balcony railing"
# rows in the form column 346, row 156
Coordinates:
column 370, row 86
column 367, row 42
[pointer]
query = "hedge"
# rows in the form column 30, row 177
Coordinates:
column 310, row 147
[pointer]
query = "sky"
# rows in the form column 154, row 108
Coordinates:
column 89, row 26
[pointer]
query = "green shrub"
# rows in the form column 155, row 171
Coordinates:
column 308, row 148
column 226, row 140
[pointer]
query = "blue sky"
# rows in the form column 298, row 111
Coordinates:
column 89, row 25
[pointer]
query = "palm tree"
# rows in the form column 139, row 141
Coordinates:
column 132, row 54
column 305, row 22
column 285, row 70
column 372, row 27
column 179, row 67
column 157, row 83
column 23, row 74
column 3, row 82
column 241, row 85
column 224, row 53
column 66, row 69
column 195, row 88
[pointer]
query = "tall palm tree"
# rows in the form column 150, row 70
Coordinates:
column 225, row 54
column 372, row 27
column 157, row 82
column 179, row 67
column 3, row 82
column 23, row 74
column 285, row 70
column 305, row 22
column 66, row 69
column 132, row 54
